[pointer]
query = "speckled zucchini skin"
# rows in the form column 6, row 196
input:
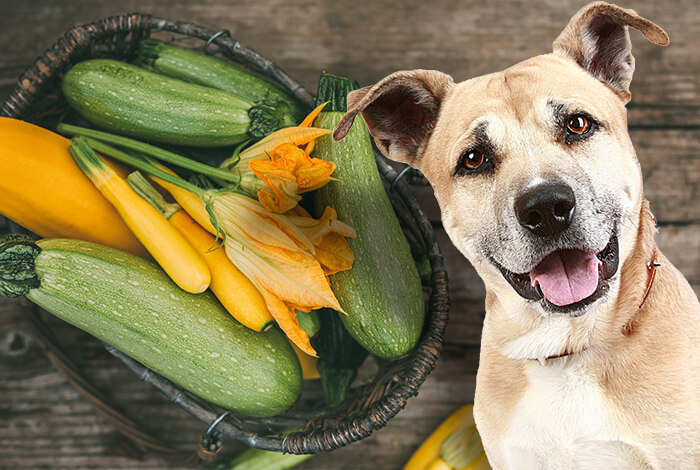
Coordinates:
column 131, row 304
column 126, row 99
column 195, row 67
column 382, row 293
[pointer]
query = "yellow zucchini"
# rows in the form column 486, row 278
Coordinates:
column 44, row 191
column 235, row 292
column 174, row 254
column 429, row 451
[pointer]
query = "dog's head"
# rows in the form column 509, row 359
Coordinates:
column 535, row 174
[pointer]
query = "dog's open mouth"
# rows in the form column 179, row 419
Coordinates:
column 568, row 280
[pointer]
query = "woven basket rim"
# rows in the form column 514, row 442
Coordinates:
column 120, row 29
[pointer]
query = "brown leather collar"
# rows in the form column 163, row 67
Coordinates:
column 651, row 267
column 564, row 354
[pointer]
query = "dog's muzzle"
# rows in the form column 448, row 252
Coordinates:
column 567, row 281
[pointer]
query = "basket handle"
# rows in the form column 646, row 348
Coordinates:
column 74, row 45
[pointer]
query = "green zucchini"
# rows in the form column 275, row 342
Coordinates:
column 126, row 99
column 258, row 459
column 194, row 67
column 131, row 304
column 339, row 357
column 309, row 321
column 382, row 293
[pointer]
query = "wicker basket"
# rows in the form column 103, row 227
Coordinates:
column 37, row 99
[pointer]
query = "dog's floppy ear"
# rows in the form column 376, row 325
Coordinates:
column 598, row 40
column 400, row 110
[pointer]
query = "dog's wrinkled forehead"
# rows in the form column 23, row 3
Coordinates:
column 516, row 111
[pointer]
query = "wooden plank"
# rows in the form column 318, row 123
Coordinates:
column 670, row 161
column 663, row 116
column 681, row 245
column 373, row 39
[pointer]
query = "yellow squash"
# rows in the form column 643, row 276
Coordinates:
column 429, row 451
column 167, row 246
column 44, row 191
column 190, row 202
column 235, row 292
column 309, row 364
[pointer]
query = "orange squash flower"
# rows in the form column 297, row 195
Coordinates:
column 279, row 258
column 282, row 170
column 328, row 235
column 288, row 171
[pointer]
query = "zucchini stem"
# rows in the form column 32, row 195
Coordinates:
column 89, row 162
column 150, row 150
column 143, row 188
column 334, row 90
column 142, row 164
column 149, row 50
column 267, row 116
column 17, row 274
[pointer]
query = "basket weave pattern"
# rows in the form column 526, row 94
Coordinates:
column 37, row 99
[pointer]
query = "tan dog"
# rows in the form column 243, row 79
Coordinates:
column 540, row 189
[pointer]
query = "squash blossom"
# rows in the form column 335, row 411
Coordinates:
column 288, row 171
column 328, row 235
column 281, row 169
column 279, row 258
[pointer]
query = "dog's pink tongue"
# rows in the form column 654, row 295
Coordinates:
column 566, row 277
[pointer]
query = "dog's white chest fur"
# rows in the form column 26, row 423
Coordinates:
column 563, row 423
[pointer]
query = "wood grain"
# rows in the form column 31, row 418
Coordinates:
column 44, row 423
column 368, row 40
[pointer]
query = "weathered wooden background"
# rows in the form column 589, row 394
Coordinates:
column 44, row 423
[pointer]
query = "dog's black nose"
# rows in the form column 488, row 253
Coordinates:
column 546, row 209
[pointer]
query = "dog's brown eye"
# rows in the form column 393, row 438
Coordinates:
column 578, row 124
column 475, row 162
column 473, row 159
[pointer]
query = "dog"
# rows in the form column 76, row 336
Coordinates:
column 591, row 342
